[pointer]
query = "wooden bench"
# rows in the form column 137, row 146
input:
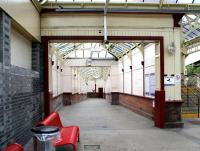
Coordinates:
column 14, row 147
column 69, row 134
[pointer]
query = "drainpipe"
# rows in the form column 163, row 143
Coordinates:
column 105, row 22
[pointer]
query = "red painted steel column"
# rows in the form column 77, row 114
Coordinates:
column 143, row 78
column 159, row 117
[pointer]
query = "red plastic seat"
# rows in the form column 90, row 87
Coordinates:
column 14, row 147
column 52, row 120
column 69, row 134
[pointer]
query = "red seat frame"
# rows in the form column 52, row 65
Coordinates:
column 14, row 147
column 69, row 134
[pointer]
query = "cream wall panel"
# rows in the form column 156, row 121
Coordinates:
column 137, row 70
column 59, row 78
column 114, row 76
column 149, row 59
column 125, row 26
column 21, row 50
column 127, row 75
column 71, row 21
column 67, row 79
column 157, row 66
column 95, row 22
column 108, row 85
column 54, row 76
column 25, row 14
column 140, row 21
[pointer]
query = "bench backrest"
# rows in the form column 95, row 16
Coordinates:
column 14, row 147
column 52, row 120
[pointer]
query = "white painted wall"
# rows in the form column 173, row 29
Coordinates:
column 21, row 50
column 137, row 68
column 115, row 79
column 119, row 77
column 57, row 80
column 127, row 75
column 25, row 14
column 107, row 84
column 66, row 83
column 149, row 64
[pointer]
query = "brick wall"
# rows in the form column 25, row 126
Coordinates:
column 78, row 98
column 20, row 93
column 138, row 104
column 66, row 98
column 57, row 102
column 20, row 102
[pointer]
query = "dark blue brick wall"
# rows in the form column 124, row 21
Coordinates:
column 20, row 105
column 21, row 98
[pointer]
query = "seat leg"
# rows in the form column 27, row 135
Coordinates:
column 78, row 137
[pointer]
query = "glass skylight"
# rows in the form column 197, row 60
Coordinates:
column 125, row 1
column 191, row 26
column 94, row 50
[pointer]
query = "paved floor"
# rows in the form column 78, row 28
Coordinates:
column 115, row 128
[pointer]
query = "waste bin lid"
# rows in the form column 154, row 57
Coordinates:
column 45, row 129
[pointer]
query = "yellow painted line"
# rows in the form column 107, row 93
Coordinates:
column 190, row 115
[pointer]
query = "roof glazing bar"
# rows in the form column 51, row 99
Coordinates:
column 105, row 22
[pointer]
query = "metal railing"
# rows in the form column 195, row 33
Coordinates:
column 191, row 95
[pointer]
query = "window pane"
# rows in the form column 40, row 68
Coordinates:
column 151, row 1
column 109, row 55
column 95, row 55
column 102, row 54
column 117, row 1
column 184, row 1
column 196, row 1
column 64, row 1
column 171, row 1
column 72, row 55
column 87, row 53
column 82, row 0
column 135, row 1
column 99, row 1
column 79, row 54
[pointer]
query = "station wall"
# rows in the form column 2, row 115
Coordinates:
column 125, row 25
column 21, row 88
column 23, row 14
column 21, row 50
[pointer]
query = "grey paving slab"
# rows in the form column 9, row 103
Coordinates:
column 116, row 128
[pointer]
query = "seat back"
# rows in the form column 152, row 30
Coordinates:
column 52, row 120
column 14, row 147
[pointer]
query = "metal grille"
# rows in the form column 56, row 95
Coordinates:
column 92, row 147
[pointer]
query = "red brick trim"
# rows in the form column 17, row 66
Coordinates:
column 139, row 104
column 57, row 96
column 139, row 96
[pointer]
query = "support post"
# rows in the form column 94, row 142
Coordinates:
column 159, row 117
column 47, row 105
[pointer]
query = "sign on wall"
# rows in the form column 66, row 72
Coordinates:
column 150, row 84
column 169, row 80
